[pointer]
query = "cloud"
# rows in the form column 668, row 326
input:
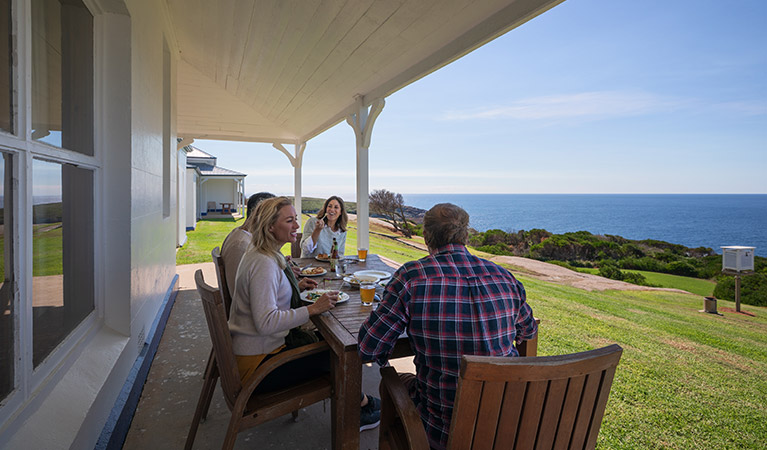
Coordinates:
column 585, row 105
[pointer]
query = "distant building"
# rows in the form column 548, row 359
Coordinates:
column 209, row 187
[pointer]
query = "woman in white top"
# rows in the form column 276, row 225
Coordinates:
column 261, row 314
column 319, row 233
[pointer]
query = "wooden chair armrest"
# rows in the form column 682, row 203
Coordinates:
column 394, row 395
column 249, row 384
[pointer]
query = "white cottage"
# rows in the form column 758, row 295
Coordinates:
column 210, row 188
column 93, row 97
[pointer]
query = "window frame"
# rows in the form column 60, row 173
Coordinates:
column 23, row 150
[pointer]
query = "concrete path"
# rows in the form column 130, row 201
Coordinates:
column 171, row 391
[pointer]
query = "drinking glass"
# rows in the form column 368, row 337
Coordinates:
column 362, row 254
column 367, row 293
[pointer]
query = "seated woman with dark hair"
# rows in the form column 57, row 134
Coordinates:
column 319, row 233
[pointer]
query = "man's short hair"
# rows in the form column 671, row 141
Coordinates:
column 255, row 199
column 445, row 224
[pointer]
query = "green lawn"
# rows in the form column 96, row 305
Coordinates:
column 687, row 379
column 693, row 285
column 202, row 240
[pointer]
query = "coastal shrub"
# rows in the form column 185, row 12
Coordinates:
column 635, row 278
column 682, row 268
column 753, row 289
column 609, row 269
column 497, row 249
column 645, row 263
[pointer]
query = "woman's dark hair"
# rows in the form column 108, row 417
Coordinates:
column 343, row 220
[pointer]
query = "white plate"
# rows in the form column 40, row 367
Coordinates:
column 355, row 282
column 342, row 296
column 314, row 274
column 376, row 273
column 322, row 259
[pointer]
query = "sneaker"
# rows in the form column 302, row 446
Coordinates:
column 370, row 414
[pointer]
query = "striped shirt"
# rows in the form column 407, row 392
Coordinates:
column 451, row 303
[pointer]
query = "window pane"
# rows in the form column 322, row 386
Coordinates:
column 62, row 74
column 6, row 82
column 6, row 288
column 62, row 265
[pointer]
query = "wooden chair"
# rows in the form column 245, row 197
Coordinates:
column 511, row 403
column 295, row 247
column 248, row 408
column 211, row 374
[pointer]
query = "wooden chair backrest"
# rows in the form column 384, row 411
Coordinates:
column 532, row 402
column 295, row 247
column 218, row 261
column 218, row 327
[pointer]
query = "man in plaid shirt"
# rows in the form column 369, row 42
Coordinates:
column 451, row 303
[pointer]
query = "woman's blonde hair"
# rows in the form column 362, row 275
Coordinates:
column 343, row 220
column 266, row 215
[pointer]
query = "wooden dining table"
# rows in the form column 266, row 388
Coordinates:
column 340, row 327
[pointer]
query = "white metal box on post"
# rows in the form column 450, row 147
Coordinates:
column 737, row 258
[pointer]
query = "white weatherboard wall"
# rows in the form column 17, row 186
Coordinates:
column 135, row 239
column 192, row 207
column 153, row 264
column 218, row 190
column 181, row 204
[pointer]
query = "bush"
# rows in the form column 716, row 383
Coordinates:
column 497, row 249
column 753, row 289
column 682, row 268
column 611, row 271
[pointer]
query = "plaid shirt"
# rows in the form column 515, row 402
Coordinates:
column 450, row 303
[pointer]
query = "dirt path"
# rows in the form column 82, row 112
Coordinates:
column 556, row 274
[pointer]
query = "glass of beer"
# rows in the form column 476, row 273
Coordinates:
column 362, row 254
column 367, row 293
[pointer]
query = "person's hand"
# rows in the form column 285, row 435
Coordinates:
column 324, row 303
column 306, row 283
column 319, row 225
column 293, row 266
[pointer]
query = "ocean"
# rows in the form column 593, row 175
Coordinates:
column 693, row 220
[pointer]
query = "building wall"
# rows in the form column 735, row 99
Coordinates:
column 136, row 230
column 182, row 204
column 152, row 234
column 192, row 204
column 218, row 191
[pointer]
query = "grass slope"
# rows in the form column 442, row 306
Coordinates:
column 666, row 280
column 686, row 380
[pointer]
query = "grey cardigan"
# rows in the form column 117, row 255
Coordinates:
column 261, row 316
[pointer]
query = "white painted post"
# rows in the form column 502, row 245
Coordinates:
column 362, row 123
column 296, row 161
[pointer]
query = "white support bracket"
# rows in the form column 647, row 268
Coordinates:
column 362, row 122
column 184, row 142
column 296, row 160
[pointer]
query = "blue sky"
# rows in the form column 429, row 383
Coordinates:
column 594, row 96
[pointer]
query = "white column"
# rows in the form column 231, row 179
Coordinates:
column 362, row 123
column 296, row 161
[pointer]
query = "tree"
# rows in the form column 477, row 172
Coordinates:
column 391, row 207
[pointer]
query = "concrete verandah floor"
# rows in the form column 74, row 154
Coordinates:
column 170, row 393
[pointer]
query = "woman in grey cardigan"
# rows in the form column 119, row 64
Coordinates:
column 261, row 314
